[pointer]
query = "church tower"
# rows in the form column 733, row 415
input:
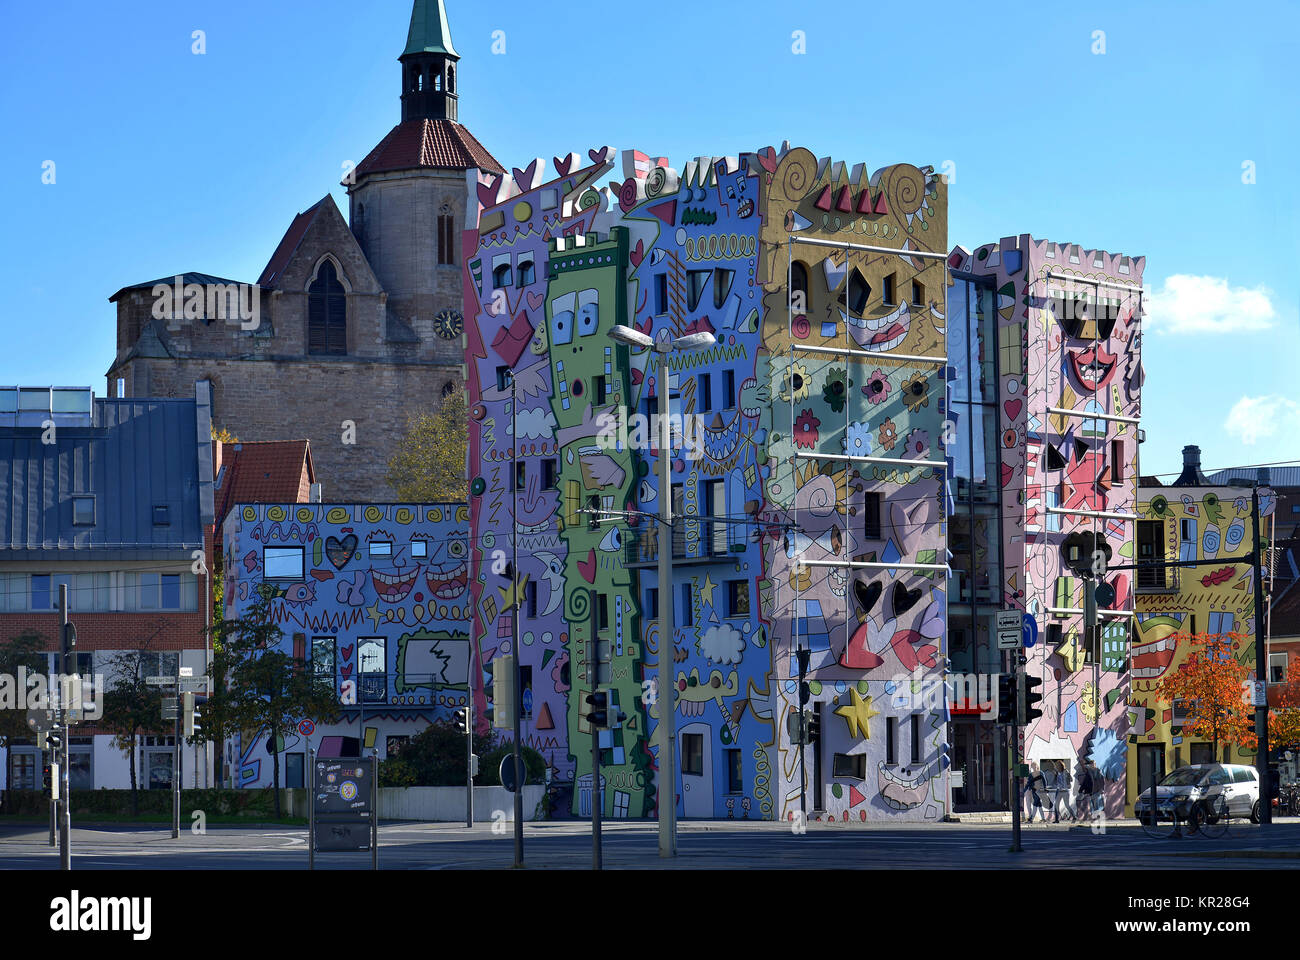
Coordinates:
column 408, row 198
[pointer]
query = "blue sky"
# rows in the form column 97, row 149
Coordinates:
column 168, row 161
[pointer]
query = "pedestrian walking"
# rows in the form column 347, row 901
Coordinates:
column 1098, row 789
column 1083, row 805
column 1035, row 788
column 1061, row 795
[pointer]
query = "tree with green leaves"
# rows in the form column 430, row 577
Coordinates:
column 259, row 686
column 429, row 465
column 23, row 651
column 131, row 706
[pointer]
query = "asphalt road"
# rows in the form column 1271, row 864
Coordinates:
column 725, row 845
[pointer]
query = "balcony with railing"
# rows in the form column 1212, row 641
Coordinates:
column 709, row 541
column 1157, row 578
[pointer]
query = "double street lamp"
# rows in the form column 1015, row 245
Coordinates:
column 666, row 694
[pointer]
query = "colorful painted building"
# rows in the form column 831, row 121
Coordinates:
column 1188, row 520
column 825, row 377
column 1068, row 373
column 374, row 596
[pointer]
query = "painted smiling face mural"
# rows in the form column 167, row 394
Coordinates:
column 373, row 596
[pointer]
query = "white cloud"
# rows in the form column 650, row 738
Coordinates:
column 722, row 643
column 1254, row 417
column 535, row 424
column 1187, row 304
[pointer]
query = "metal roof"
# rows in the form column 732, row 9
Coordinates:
column 429, row 32
column 137, row 454
column 1277, row 476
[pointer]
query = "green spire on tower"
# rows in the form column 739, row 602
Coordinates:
column 429, row 32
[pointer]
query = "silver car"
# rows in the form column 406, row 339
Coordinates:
column 1204, row 790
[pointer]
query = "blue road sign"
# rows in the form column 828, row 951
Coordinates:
column 1029, row 627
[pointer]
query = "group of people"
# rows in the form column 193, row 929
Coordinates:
column 1052, row 782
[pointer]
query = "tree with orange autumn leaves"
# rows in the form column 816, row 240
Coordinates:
column 1215, row 686
column 1284, row 715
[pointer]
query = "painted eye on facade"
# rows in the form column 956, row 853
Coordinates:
column 612, row 542
column 562, row 318
column 588, row 312
column 457, row 548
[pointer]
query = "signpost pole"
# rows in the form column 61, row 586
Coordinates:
column 374, row 810
column 311, row 809
column 176, row 765
column 65, row 819
column 48, row 754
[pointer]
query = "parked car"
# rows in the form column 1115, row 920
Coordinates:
column 1202, row 790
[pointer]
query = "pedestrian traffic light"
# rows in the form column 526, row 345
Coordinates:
column 1006, row 698
column 54, row 740
column 462, row 719
column 1025, row 710
column 599, row 702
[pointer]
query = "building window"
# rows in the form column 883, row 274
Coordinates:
column 871, row 507
column 41, row 593
column 1200, row 753
column 380, row 548
column 446, row 239
column 501, row 276
column 322, row 656
column 918, row 294
column 1117, row 460
column 372, row 670
column 695, row 281
column 738, row 598
column 161, row 516
column 888, row 296
column 1187, row 530
column 688, row 611
column 549, row 473
column 527, row 272
column 419, row 548
column 693, row 754
column 519, row 477
column 852, row 766
column 706, row 392
column 728, row 389
column 162, row 591
column 735, row 779
column 661, row 294
column 799, row 299
column 159, row 664
column 282, row 563
column 891, row 740
column 599, row 383
column 602, row 611
column 652, row 603
column 916, row 738
column 1277, row 668
column 83, row 511
column 327, row 329
column 593, row 512
column 856, row 293
column 530, row 596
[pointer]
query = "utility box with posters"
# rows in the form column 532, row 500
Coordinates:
column 342, row 807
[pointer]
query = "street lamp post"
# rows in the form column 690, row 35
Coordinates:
column 666, row 694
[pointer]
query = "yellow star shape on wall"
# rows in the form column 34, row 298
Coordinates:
column 706, row 591
column 857, row 714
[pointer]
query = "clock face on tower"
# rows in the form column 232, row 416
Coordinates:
column 448, row 324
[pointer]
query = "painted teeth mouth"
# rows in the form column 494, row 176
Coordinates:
column 839, row 581
column 746, row 208
column 882, row 333
column 393, row 587
column 448, row 581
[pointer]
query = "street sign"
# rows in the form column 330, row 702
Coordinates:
column 160, row 681
column 1104, row 595
column 1029, row 629
column 1259, row 699
column 508, row 780
column 187, row 671
column 1007, row 625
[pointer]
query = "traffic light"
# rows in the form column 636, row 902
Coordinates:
column 462, row 719
column 188, row 715
column 1006, row 698
column 813, row 724
column 1086, row 553
column 1025, row 710
column 503, row 692
column 54, row 740
column 46, row 778
column 599, row 702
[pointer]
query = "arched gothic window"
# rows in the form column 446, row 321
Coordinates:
column 327, row 329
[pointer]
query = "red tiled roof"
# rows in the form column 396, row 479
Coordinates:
column 429, row 143
column 288, row 244
column 271, row 471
